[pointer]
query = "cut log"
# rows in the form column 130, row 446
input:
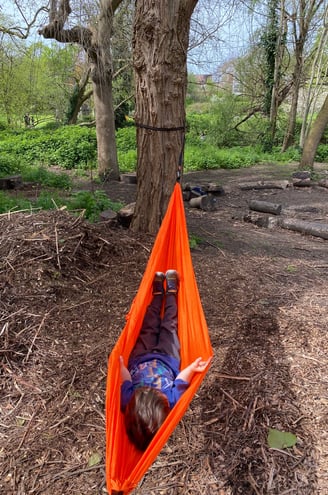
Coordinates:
column 10, row 182
column 277, row 184
column 109, row 216
column 129, row 178
column 304, row 183
column 310, row 228
column 265, row 207
column 323, row 183
column 261, row 220
column 124, row 216
column 206, row 202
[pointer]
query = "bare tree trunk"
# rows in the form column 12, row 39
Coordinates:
column 313, row 139
column 302, row 19
column 314, row 85
column 97, row 44
column 290, row 133
column 161, row 37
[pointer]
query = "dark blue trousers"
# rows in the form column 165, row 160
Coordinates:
column 159, row 334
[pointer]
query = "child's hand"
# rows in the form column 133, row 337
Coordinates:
column 196, row 366
column 125, row 374
column 199, row 365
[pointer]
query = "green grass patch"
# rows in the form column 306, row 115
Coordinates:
column 91, row 203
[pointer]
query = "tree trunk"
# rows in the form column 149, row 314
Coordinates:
column 303, row 16
column 161, row 37
column 78, row 97
column 105, row 126
column 290, row 133
column 313, row 138
column 97, row 45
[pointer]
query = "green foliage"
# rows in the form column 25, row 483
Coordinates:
column 69, row 147
column 8, row 203
column 126, row 148
column 209, row 157
column 92, row 203
column 47, row 178
column 127, row 160
column 9, row 165
column 322, row 153
column 194, row 241
column 126, row 139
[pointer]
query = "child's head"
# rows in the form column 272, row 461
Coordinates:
column 144, row 414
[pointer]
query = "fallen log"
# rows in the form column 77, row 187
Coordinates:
column 206, row 202
column 10, row 182
column 265, row 207
column 310, row 228
column 278, row 184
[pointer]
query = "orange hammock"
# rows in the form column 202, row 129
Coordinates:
column 125, row 465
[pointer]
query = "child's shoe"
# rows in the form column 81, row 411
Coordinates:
column 172, row 282
column 158, row 284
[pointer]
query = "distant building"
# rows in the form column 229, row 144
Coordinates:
column 225, row 77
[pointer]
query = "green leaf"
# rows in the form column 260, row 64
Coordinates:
column 281, row 439
column 94, row 459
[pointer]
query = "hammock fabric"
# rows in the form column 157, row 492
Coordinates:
column 125, row 465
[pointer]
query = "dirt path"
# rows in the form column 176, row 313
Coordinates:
column 65, row 289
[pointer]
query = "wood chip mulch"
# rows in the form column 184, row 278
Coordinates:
column 66, row 287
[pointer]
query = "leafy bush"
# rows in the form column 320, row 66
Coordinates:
column 69, row 147
column 127, row 160
column 126, row 139
column 9, row 165
column 92, row 203
column 210, row 157
column 322, row 153
column 47, row 178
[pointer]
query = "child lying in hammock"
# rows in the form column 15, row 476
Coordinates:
column 153, row 382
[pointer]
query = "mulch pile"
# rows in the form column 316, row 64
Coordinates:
column 66, row 287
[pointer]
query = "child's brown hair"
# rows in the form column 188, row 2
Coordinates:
column 144, row 415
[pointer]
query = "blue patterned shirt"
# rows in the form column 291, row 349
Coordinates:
column 157, row 371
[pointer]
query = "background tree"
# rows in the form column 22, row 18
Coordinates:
column 302, row 16
column 160, row 43
column 95, row 38
column 317, row 81
column 314, row 136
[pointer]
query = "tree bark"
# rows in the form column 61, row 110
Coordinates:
column 160, row 43
column 313, row 138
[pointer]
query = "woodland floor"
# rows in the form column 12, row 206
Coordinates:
column 65, row 288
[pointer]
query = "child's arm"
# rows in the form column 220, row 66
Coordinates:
column 125, row 374
column 196, row 367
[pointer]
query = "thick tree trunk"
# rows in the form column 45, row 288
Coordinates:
column 313, row 138
column 105, row 128
column 161, row 37
column 97, row 45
